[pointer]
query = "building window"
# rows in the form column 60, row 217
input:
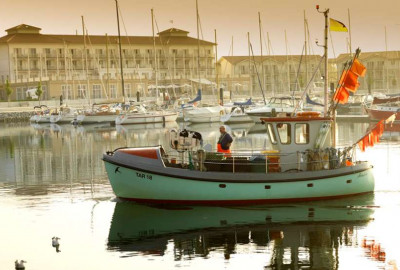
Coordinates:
column 66, row 90
column 128, row 89
column 32, row 51
column 18, row 51
column 82, row 91
column 96, row 91
column 137, row 51
column 20, row 93
column 113, row 91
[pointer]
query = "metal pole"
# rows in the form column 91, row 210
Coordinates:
column 261, row 51
column 326, row 93
column 120, row 53
column 155, row 54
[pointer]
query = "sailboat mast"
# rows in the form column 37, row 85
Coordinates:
column 250, row 80
column 155, row 54
column 86, row 60
column 261, row 51
column 120, row 53
column 198, row 41
column 216, row 59
column 348, row 13
column 305, row 46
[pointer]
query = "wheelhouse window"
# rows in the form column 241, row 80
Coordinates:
column 302, row 133
column 284, row 132
column 271, row 133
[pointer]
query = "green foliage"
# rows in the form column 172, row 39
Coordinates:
column 8, row 89
column 39, row 90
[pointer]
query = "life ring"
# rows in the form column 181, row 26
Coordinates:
column 309, row 114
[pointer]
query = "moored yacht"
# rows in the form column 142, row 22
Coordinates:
column 276, row 105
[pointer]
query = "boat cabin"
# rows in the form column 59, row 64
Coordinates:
column 294, row 136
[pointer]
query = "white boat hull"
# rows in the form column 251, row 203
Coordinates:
column 145, row 118
column 96, row 119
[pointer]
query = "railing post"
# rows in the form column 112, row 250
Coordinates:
column 233, row 165
column 266, row 164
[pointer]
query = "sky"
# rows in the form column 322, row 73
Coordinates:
column 230, row 18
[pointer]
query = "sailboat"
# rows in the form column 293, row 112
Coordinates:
column 302, row 164
column 138, row 114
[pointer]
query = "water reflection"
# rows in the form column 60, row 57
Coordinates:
column 290, row 236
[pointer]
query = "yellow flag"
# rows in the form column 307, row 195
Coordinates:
column 337, row 26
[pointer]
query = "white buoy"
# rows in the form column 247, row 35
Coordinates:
column 19, row 265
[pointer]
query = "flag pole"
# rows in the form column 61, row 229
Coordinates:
column 348, row 13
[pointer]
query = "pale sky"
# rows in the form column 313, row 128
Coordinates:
column 229, row 17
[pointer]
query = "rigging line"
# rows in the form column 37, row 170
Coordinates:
column 258, row 75
column 98, row 64
column 126, row 34
column 298, row 71
column 308, row 85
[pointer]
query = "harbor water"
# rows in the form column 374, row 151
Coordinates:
column 53, row 184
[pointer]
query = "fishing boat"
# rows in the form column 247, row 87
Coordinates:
column 383, row 111
column 301, row 166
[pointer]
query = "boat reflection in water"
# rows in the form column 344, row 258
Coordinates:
column 312, row 233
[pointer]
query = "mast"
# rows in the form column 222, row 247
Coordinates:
column 216, row 59
column 155, row 53
column 348, row 13
column 261, row 51
column 305, row 46
column 120, row 53
column 287, row 61
column 385, row 63
column 108, row 67
column 250, row 81
column 86, row 61
column 198, row 41
column 326, row 93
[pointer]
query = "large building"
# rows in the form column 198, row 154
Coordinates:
column 383, row 71
column 278, row 74
column 88, row 67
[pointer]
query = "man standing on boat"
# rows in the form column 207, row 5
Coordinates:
column 224, row 141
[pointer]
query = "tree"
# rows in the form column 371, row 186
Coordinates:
column 9, row 91
column 39, row 91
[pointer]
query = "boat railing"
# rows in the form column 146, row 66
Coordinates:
column 267, row 162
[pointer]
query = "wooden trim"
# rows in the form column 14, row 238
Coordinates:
column 294, row 119
column 225, row 180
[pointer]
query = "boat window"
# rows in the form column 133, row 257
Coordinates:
column 271, row 133
column 284, row 132
column 302, row 133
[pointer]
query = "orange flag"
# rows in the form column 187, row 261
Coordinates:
column 358, row 68
column 341, row 95
column 351, row 81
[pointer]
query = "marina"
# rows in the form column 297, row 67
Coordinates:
column 161, row 141
column 46, row 187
